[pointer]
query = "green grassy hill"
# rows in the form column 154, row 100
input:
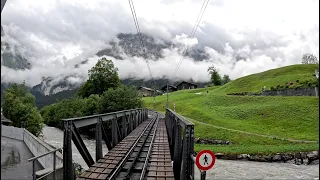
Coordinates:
column 283, row 117
column 273, row 77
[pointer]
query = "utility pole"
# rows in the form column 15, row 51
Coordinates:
column 167, row 95
column 154, row 98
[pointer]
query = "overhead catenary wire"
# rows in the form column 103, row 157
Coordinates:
column 194, row 29
column 135, row 19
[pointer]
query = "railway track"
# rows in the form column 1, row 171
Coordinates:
column 143, row 154
column 135, row 163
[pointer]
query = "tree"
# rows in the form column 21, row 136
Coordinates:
column 19, row 107
column 215, row 76
column 101, row 77
column 121, row 98
column 225, row 79
column 92, row 105
column 309, row 58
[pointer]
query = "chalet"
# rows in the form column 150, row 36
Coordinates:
column 171, row 88
column 145, row 91
column 186, row 85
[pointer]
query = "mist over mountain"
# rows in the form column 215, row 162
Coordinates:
column 52, row 44
column 123, row 45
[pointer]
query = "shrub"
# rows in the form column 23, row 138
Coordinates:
column 19, row 107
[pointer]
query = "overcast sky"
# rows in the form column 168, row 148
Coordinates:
column 241, row 36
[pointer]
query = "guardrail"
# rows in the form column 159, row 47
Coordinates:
column 181, row 141
column 54, row 164
column 120, row 124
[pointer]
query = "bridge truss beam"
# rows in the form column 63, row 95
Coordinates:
column 120, row 123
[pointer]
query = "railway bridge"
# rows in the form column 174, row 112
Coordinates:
column 142, row 144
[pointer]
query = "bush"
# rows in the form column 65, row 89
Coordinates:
column 272, row 88
column 102, row 93
column 208, row 85
column 121, row 98
column 19, row 107
column 117, row 99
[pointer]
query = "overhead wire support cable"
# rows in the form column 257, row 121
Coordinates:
column 135, row 19
column 191, row 34
column 194, row 29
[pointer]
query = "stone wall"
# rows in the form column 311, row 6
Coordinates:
column 292, row 92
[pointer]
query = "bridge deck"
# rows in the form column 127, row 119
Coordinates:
column 132, row 156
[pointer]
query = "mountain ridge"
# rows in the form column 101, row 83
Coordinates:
column 124, row 44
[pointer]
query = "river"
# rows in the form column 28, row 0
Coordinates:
column 223, row 169
column 54, row 136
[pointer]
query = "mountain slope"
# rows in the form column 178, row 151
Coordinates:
column 213, row 113
column 12, row 58
column 130, row 45
column 50, row 86
column 273, row 77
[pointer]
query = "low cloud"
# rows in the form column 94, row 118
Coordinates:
column 55, row 35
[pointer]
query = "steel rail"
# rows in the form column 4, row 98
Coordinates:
column 143, row 143
column 115, row 172
column 144, row 170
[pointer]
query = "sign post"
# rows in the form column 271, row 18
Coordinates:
column 205, row 160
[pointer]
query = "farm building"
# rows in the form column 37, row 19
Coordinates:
column 145, row 91
column 186, row 85
column 171, row 88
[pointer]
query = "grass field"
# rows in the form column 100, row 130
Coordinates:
column 285, row 117
column 273, row 77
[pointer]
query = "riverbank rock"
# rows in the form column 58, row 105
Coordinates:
column 277, row 158
column 243, row 156
column 286, row 156
column 312, row 156
column 292, row 158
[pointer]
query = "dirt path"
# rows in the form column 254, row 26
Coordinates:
column 255, row 134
